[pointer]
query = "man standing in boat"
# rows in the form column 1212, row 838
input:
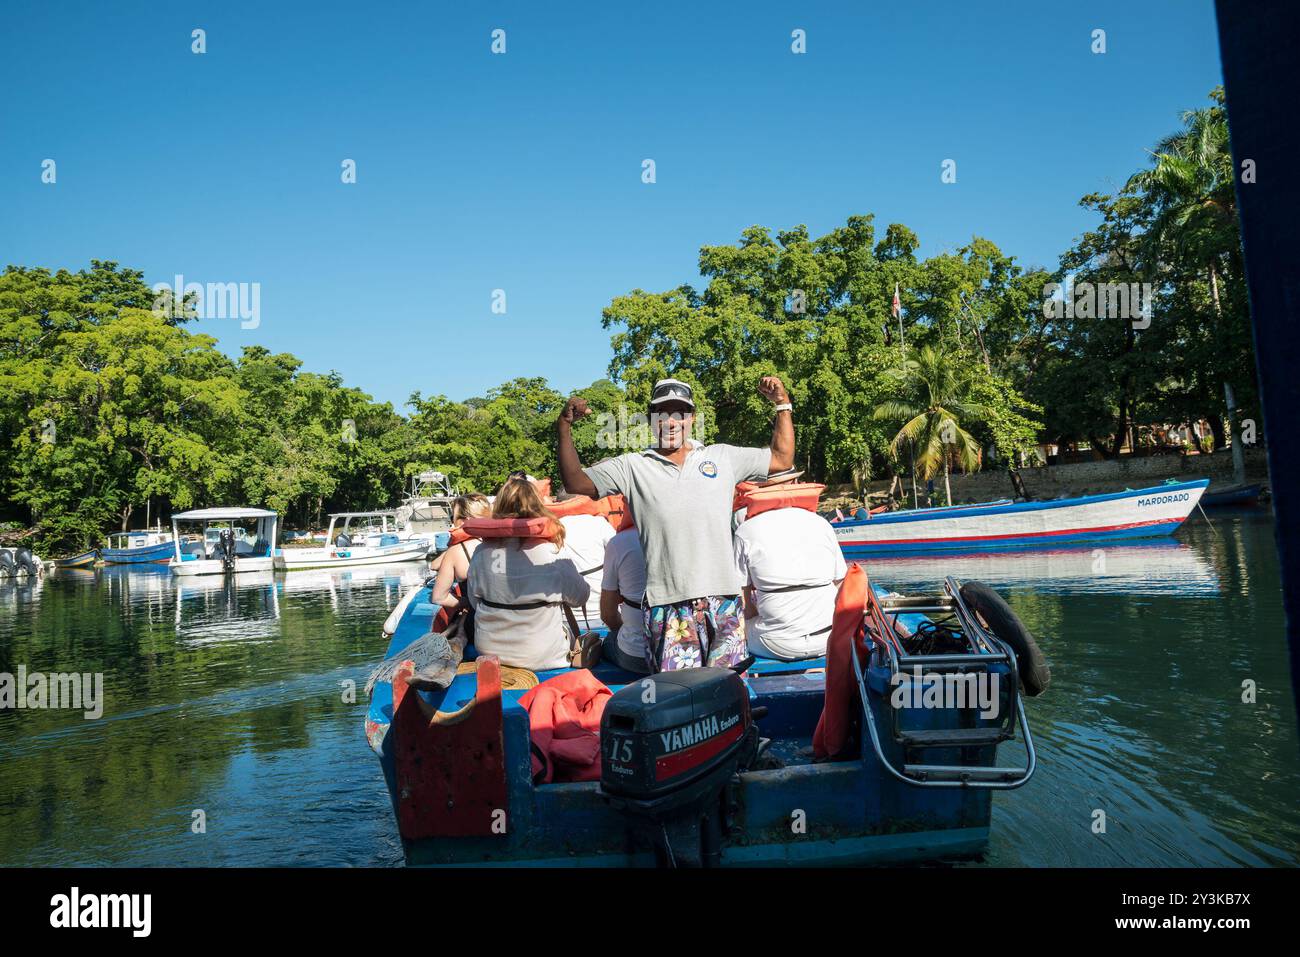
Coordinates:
column 680, row 493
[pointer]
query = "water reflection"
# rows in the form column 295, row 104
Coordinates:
column 224, row 696
column 230, row 697
column 1155, row 568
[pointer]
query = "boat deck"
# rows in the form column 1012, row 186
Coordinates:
column 856, row 811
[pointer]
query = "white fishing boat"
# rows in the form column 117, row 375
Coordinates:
column 426, row 510
column 360, row 538
column 224, row 541
column 1133, row 513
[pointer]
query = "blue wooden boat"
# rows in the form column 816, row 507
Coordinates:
column 916, row 785
column 84, row 560
column 141, row 547
column 1235, row 495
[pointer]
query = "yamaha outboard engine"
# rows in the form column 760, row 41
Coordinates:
column 671, row 744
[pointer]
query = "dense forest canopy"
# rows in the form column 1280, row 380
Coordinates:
column 112, row 411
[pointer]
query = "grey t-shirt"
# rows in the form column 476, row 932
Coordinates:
column 683, row 516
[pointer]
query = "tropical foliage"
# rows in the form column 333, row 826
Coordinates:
column 112, row 414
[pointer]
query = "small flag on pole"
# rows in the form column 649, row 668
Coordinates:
column 898, row 306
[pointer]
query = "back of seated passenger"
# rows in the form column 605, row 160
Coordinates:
column 792, row 566
column 585, row 538
column 518, row 587
column 622, row 590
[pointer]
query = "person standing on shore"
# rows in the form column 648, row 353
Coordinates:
column 680, row 491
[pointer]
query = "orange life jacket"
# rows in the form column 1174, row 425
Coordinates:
column 612, row 508
column 578, row 505
column 458, row 535
column 531, row 529
column 757, row 500
column 834, row 727
column 616, row 512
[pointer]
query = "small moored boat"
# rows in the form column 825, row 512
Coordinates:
column 84, row 560
column 1133, row 513
column 1232, row 496
column 426, row 510
column 139, row 547
column 359, row 538
column 224, row 541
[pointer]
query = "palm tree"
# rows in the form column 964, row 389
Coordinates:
column 1192, row 190
column 936, row 389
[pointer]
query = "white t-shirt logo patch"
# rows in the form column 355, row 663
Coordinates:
column 709, row 469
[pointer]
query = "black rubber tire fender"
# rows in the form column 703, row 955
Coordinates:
column 1035, row 675
column 6, row 565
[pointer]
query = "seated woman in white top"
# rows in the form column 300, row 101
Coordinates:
column 518, row 588
column 453, row 565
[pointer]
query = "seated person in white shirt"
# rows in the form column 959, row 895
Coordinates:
column 621, row 589
column 792, row 566
column 585, row 538
column 518, row 587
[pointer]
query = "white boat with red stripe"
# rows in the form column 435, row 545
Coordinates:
column 1133, row 513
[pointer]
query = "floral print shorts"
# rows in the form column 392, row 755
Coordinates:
column 692, row 634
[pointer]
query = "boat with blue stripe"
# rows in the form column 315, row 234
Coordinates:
column 1115, row 516
column 139, row 547
column 914, row 784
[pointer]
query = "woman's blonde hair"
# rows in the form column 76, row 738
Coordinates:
column 472, row 505
column 518, row 498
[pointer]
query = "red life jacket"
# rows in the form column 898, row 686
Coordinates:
column 756, row 500
column 578, row 505
column 612, row 508
column 616, row 512
column 836, row 723
column 530, row 529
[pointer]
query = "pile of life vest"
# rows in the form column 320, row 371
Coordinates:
column 756, row 499
column 612, row 508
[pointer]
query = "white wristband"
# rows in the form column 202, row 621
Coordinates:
column 783, row 407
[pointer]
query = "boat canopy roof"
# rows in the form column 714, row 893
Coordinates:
column 388, row 512
column 207, row 514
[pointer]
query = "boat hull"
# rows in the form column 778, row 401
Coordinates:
column 850, row 812
column 1238, row 496
column 301, row 558
column 145, row 555
column 212, row 566
column 1140, row 513
column 80, row 561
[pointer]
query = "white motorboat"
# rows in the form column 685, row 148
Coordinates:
column 360, row 538
column 427, row 509
column 224, row 541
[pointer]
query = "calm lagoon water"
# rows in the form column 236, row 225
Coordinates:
column 229, row 698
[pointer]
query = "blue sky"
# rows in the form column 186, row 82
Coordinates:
column 522, row 171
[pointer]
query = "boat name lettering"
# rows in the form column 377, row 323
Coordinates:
column 1164, row 499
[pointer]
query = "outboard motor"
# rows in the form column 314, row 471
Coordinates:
column 226, row 547
column 671, row 743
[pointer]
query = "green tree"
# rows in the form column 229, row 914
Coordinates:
column 936, row 389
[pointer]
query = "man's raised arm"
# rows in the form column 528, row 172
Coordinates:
column 575, row 479
column 783, row 428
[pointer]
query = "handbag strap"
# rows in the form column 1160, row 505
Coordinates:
column 574, row 643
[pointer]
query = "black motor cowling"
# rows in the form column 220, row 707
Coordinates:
column 670, row 745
